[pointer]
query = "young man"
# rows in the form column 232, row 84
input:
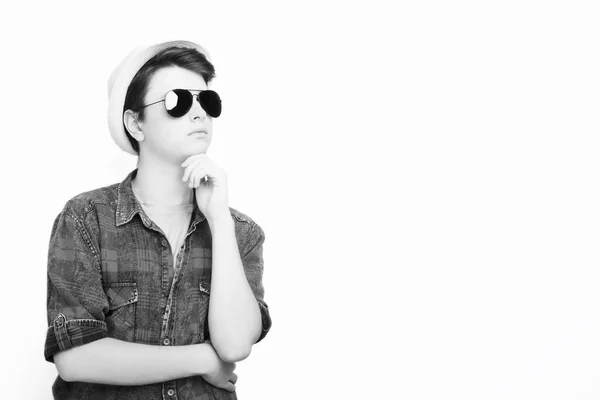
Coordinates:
column 155, row 283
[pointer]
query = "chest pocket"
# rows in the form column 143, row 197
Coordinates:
column 120, row 318
column 203, row 301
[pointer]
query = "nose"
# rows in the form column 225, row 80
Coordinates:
column 197, row 111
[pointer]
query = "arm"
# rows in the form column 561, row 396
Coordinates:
column 116, row 362
column 235, row 318
column 76, row 339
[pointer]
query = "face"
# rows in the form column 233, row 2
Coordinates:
column 168, row 137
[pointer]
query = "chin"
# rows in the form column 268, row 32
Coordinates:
column 191, row 150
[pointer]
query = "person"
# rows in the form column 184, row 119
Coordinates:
column 155, row 283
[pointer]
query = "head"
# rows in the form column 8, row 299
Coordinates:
column 151, row 129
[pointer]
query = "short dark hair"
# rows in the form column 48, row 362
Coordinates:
column 190, row 59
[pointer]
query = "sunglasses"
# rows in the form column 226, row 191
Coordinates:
column 179, row 101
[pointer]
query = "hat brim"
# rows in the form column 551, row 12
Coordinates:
column 121, row 78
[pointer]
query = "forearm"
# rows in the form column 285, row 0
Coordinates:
column 116, row 362
column 234, row 318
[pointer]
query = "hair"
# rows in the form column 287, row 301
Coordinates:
column 190, row 59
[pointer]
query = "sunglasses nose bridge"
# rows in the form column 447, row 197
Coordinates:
column 197, row 109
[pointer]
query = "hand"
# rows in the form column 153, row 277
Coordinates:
column 220, row 373
column 211, row 195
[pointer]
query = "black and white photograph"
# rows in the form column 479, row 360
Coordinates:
column 311, row 200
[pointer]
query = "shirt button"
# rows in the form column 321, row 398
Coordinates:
column 164, row 242
column 166, row 342
column 170, row 392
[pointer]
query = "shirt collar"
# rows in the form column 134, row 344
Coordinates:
column 128, row 205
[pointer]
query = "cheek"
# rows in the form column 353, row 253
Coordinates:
column 209, row 125
column 156, row 122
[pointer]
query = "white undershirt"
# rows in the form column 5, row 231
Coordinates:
column 173, row 220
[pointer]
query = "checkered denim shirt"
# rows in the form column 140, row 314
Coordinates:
column 109, row 276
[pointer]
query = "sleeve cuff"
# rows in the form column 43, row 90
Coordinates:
column 266, row 319
column 63, row 334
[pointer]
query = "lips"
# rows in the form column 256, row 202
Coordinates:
column 199, row 131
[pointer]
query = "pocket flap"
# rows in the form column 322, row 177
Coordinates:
column 120, row 294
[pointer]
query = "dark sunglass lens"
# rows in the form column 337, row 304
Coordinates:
column 178, row 102
column 210, row 102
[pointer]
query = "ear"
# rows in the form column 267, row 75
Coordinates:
column 130, row 120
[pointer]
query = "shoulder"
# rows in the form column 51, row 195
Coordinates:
column 240, row 216
column 87, row 200
column 84, row 206
column 244, row 220
column 247, row 229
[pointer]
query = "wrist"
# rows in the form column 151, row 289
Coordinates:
column 220, row 218
column 206, row 358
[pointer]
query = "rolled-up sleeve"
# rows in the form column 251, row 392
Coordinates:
column 76, row 301
column 253, row 267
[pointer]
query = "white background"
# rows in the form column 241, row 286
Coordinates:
column 426, row 174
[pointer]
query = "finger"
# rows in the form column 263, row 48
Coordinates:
column 202, row 179
column 189, row 169
column 191, row 181
column 212, row 175
column 211, row 170
column 233, row 378
column 197, row 177
column 205, row 177
column 201, row 175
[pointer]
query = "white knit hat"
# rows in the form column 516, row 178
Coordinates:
column 121, row 77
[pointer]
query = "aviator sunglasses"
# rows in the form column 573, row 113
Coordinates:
column 179, row 101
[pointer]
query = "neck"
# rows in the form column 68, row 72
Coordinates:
column 158, row 182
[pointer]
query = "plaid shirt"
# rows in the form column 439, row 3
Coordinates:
column 109, row 275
